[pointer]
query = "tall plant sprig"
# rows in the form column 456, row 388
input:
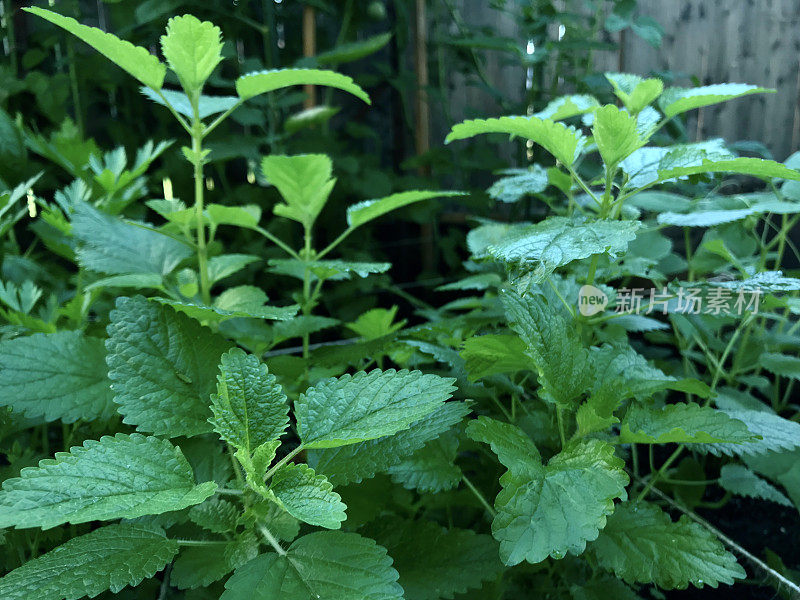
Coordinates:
column 193, row 50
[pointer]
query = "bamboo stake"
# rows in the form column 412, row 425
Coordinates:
column 309, row 49
column 423, row 119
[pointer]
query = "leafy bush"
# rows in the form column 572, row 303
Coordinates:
column 222, row 467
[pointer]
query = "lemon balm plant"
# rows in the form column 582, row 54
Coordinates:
column 606, row 422
column 203, row 486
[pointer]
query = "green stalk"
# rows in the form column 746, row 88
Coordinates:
column 197, row 133
column 307, row 301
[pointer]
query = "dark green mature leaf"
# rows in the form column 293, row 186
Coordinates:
column 432, row 468
column 366, row 406
column 197, row 567
column 642, row 545
column 98, row 481
column 621, row 373
column 781, row 364
column 193, row 49
column 369, row 210
column 741, row 481
column 110, row 245
column 514, row 449
column 162, row 365
column 675, row 100
column 250, row 408
column 216, row 515
column 780, row 467
column 363, row 460
column 57, row 375
column 135, row 60
column 328, row 564
column 308, row 497
column 558, row 241
column 682, row 423
column 776, row 433
column 262, row 82
column 553, row 344
column 452, row 561
column 109, row 558
column 563, row 142
column 553, row 509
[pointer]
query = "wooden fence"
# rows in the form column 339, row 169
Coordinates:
column 746, row 41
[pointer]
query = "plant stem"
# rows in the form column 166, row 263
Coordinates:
column 307, row 299
column 199, row 543
column 197, row 160
column 478, row 495
column 283, row 461
column 272, row 540
column 561, row 432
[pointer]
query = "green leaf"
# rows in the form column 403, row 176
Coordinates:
column 642, row 545
column 56, row 376
column 238, row 302
column 682, row 423
column 621, row 373
column 756, row 167
column 162, row 366
column 741, row 481
column 432, row 468
column 365, row 406
column 250, row 408
column 309, row 117
column 135, row 60
column 369, row 210
column 352, row 51
column 519, row 183
column 554, row 345
column 109, row 558
column 776, row 434
column 553, row 509
column 451, row 562
column 565, row 143
column 304, row 181
column 363, row 460
column 491, row 354
column 557, row 241
column 308, row 497
column 246, row 216
column 110, row 245
column 782, row 365
column 193, row 49
column 261, row 82
column 615, row 134
column 514, row 449
column 96, row 482
column 635, row 92
column 327, row 564
column 216, row 515
column 220, row 267
column 675, row 100
column 780, row 467
column 207, row 106
column 197, row 567
column 565, row 107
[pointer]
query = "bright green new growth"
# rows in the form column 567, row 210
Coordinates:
column 250, row 408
